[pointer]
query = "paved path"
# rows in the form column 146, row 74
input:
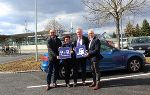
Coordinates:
column 8, row 58
column 113, row 83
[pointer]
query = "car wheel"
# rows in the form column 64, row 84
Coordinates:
column 134, row 65
column 62, row 72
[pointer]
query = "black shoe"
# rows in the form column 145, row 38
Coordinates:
column 67, row 85
column 55, row 85
column 75, row 85
column 48, row 87
column 97, row 86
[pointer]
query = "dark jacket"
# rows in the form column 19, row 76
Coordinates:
column 53, row 45
column 94, row 50
column 85, row 42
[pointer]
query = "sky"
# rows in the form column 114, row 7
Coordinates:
column 16, row 14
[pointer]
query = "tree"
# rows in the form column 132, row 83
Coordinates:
column 130, row 30
column 53, row 24
column 137, row 30
column 101, row 11
column 114, row 35
column 145, row 29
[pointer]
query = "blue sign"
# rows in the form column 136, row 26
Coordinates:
column 64, row 52
column 80, row 51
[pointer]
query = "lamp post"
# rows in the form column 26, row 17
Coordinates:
column 121, row 35
column 71, row 24
column 36, row 47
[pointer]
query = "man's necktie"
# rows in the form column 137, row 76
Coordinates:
column 90, row 43
column 78, row 42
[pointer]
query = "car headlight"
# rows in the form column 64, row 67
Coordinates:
column 131, row 48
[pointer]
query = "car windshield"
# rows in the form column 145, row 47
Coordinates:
column 105, row 47
column 141, row 40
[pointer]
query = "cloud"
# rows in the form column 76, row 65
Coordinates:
column 14, row 13
column 17, row 12
column 10, row 28
column 47, row 6
column 5, row 9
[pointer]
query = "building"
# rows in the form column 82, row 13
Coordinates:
column 26, row 42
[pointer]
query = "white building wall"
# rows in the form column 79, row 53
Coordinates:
column 32, row 48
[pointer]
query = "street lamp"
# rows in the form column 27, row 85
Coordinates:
column 121, row 35
column 36, row 47
column 71, row 24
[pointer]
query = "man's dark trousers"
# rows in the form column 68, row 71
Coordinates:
column 96, row 71
column 53, row 69
column 81, row 62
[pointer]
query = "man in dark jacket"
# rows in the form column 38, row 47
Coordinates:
column 95, row 57
column 80, row 62
column 53, row 44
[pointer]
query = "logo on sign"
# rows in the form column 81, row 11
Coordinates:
column 64, row 53
column 80, row 51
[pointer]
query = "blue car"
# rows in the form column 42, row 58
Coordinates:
column 114, row 59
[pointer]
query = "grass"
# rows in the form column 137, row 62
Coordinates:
column 21, row 65
column 148, row 60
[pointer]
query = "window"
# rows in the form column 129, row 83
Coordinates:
column 105, row 48
column 141, row 40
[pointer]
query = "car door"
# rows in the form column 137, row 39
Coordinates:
column 112, row 58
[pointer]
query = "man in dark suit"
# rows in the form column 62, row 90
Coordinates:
column 94, row 55
column 80, row 62
column 53, row 44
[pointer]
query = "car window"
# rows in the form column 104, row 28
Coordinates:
column 141, row 40
column 105, row 48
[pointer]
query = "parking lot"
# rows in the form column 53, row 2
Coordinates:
column 112, row 83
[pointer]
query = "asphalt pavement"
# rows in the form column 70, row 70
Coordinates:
column 112, row 83
column 9, row 58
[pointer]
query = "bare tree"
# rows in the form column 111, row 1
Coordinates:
column 53, row 24
column 101, row 11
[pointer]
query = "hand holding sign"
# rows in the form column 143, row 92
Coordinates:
column 86, row 54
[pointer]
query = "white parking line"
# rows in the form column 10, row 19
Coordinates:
column 116, row 78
